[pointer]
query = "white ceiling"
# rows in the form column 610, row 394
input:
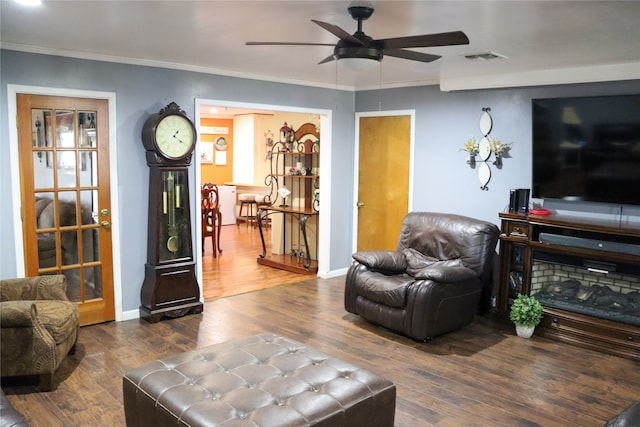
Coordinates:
column 545, row 41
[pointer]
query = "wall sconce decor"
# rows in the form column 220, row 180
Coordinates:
column 488, row 145
column 471, row 147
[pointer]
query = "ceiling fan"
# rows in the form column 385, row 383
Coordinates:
column 360, row 45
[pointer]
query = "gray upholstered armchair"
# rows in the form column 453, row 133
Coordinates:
column 432, row 283
column 38, row 327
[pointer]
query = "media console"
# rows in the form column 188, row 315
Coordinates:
column 585, row 272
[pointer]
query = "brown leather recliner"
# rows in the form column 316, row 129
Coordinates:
column 432, row 283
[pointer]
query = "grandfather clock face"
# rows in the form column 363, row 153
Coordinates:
column 169, row 137
column 175, row 136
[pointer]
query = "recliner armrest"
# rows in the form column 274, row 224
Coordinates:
column 391, row 261
column 447, row 274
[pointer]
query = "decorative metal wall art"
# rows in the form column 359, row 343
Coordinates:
column 488, row 145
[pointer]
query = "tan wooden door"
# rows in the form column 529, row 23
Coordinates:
column 64, row 170
column 383, row 180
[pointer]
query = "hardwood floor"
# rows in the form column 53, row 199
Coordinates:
column 481, row 375
column 235, row 270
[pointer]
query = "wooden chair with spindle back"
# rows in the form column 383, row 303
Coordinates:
column 211, row 216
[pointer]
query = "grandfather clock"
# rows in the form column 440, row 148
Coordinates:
column 170, row 288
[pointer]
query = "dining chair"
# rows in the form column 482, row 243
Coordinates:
column 211, row 216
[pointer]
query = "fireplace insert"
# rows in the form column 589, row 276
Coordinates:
column 601, row 289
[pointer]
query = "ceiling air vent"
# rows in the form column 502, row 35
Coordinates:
column 486, row 56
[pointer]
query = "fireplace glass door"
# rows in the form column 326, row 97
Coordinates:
column 601, row 289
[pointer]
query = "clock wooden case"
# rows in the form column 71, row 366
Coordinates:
column 170, row 288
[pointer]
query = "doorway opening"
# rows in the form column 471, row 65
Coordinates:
column 236, row 270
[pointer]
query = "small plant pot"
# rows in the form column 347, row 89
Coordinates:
column 525, row 331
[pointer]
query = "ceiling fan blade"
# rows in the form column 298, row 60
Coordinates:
column 426, row 40
column 327, row 59
column 409, row 54
column 339, row 32
column 286, row 44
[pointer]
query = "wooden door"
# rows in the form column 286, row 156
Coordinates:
column 383, row 180
column 64, row 172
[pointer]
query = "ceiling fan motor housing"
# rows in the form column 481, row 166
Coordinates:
column 365, row 51
column 360, row 52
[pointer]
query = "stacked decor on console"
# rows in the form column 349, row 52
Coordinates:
column 519, row 200
column 587, row 278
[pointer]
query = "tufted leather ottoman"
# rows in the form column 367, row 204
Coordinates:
column 262, row 380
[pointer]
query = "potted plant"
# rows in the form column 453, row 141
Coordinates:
column 526, row 313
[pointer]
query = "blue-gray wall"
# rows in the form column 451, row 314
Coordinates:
column 141, row 91
column 444, row 121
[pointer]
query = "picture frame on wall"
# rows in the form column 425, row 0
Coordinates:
column 206, row 154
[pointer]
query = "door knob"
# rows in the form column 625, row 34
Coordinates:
column 105, row 224
column 360, row 204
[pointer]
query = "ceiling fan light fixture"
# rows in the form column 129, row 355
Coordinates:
column 359, row 52
column 358, row 64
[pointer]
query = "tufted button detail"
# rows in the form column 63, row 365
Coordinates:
column 238, row 378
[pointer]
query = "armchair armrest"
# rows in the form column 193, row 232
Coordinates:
column 390, row 261
column 17, row 314
column 51, row 287
column 421, row 266
column 444, row 273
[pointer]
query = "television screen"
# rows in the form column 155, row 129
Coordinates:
column 587, row 149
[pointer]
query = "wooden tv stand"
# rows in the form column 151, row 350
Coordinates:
column 522, row 254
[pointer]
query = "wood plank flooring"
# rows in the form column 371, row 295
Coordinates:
column 235, row 270
column 481, row 375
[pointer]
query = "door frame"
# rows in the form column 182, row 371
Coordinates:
column 12, row 91
column 324, row 222
column 356, row 162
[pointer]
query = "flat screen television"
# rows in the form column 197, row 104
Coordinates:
column 587, row 149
